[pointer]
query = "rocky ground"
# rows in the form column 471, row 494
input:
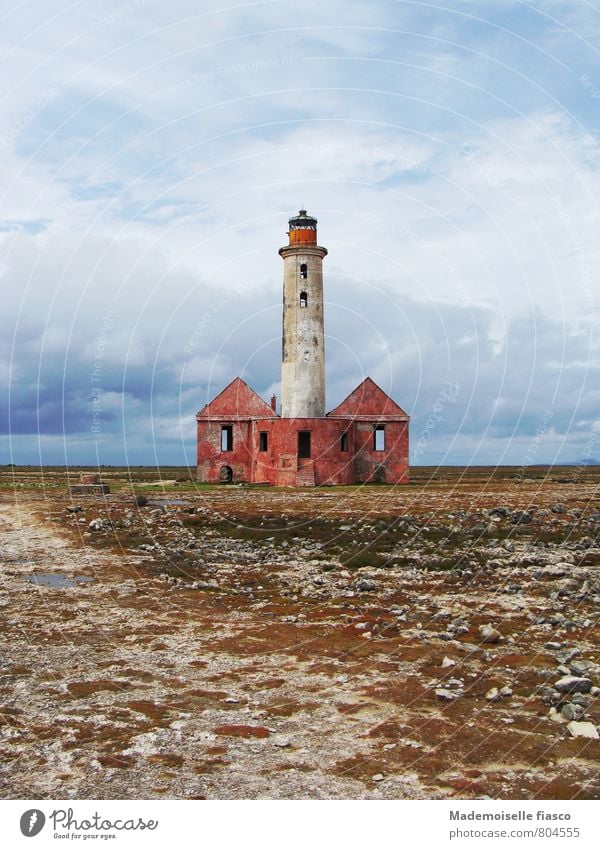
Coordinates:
column 431, row 641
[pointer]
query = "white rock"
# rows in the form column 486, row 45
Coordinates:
column 556, row 716
column 447, row 661
column 583, row 729
column 445, row 695
column 489, row 634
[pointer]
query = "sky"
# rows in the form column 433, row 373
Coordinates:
column 151, row 155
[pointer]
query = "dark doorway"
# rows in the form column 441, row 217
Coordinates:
column 226, row 474
column 379, row 474
column 304, row 444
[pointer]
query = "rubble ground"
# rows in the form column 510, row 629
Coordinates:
column 436, row 640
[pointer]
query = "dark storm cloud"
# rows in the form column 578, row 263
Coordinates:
column 492, row 379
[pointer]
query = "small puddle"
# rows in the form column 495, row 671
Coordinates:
column 53, row 579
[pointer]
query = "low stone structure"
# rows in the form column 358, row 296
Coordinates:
column 89, row 484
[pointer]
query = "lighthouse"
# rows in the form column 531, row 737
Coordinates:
column 242, row 437
column 303, row 342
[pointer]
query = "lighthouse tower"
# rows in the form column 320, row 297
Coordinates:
column 303, row 354
column 241, row 438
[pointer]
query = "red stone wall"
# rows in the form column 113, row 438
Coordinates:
column 210, row 457
column 388, row 466
column 279, row 464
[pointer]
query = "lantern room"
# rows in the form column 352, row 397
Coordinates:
column 303, row 229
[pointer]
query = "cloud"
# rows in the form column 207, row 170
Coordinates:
column 150, row 158
column 414, row 350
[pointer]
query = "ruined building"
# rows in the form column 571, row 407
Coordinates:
column 242, row 438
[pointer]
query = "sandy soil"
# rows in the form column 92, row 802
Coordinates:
column 203, row 659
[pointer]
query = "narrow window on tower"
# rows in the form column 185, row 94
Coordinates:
column 227, row 438
column 303, row 299
column 344, row 442
column 379, row 438
column 263, row 440
column 304, row 271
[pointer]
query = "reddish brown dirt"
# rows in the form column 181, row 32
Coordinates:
column 240, row 658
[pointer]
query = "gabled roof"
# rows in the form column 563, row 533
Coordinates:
column 236, row 401
column 368, row 401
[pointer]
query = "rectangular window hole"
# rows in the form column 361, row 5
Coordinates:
column 227, row 438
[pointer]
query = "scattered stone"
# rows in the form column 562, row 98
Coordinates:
column 572, row 684
column 447, row 662
column 493, row 695
column 520, row 517
column 445, row 695
column 556, row 716
column 570, row 711
column 441, row 614
column 583, row 667
column 204, row 585
column 364, row 585
column 567, row 655
column 549, row 695
column 489, row 634
column 378, row 777
column 583, row 729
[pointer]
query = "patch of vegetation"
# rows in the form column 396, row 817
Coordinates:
column 82, row 689
column 365, row 558
column 246, row 731
column 115, row 761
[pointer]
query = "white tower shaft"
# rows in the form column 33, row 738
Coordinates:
column 303, row 343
